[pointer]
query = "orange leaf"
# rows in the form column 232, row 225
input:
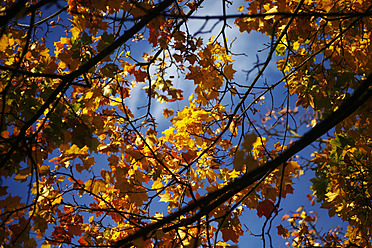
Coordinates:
column 56, row 160
column 168, row 112
column 228, row 71
column 5, row 134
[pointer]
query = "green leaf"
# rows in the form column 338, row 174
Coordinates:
column 320, row 185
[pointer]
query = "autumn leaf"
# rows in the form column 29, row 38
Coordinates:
column 293, row 167
column 229, row 71
column 283, row 231
column 165, row 197
column 95, row 186
column 265, row 208
column 231, row 230
column 249, row 140
column 229, row 234
column 157, row 185
column 98, row 146
column 168, row 112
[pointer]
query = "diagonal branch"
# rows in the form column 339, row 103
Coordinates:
column 67, row 79
column 212, row 200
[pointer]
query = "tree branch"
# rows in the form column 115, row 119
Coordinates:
column 67, row 79
column 218, row 197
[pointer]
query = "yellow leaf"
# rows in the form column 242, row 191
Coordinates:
column 57, row 200
column 332, row 196
column 5, row 42
column 75, row 32
column 272, row 10
column 300, row 209
column 151, row 139
column 210, row 174
column 169, row 132
column 157, row 185
column 327, row 5
column 73, row 152
column 95, row 186
column 225, row 58
column 88, row 95
column 258, row 146
column 165, row 197
column 296, row 45
column 21, row 177
column 23, row 174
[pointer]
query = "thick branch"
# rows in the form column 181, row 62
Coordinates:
column 212, row 200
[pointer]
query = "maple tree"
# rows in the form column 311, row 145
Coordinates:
column 92, row 170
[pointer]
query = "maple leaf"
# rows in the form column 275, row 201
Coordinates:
column 168, row 112
column 232, row 231
column 140, row 75
column 265, row 208
column 78, row 103
column 165, row 197
column 95, row 186
column 283, row 232
column 229, row 234
column 60, row 234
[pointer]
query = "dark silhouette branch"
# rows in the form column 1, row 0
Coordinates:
column 214, row 199
column 69, row 78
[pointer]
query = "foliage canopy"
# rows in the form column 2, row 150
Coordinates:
column 95, row 164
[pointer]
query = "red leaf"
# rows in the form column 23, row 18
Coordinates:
column 229, row 234
column 140, row 75
column 265, row 208
column 61, row 234
column 282, row 231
